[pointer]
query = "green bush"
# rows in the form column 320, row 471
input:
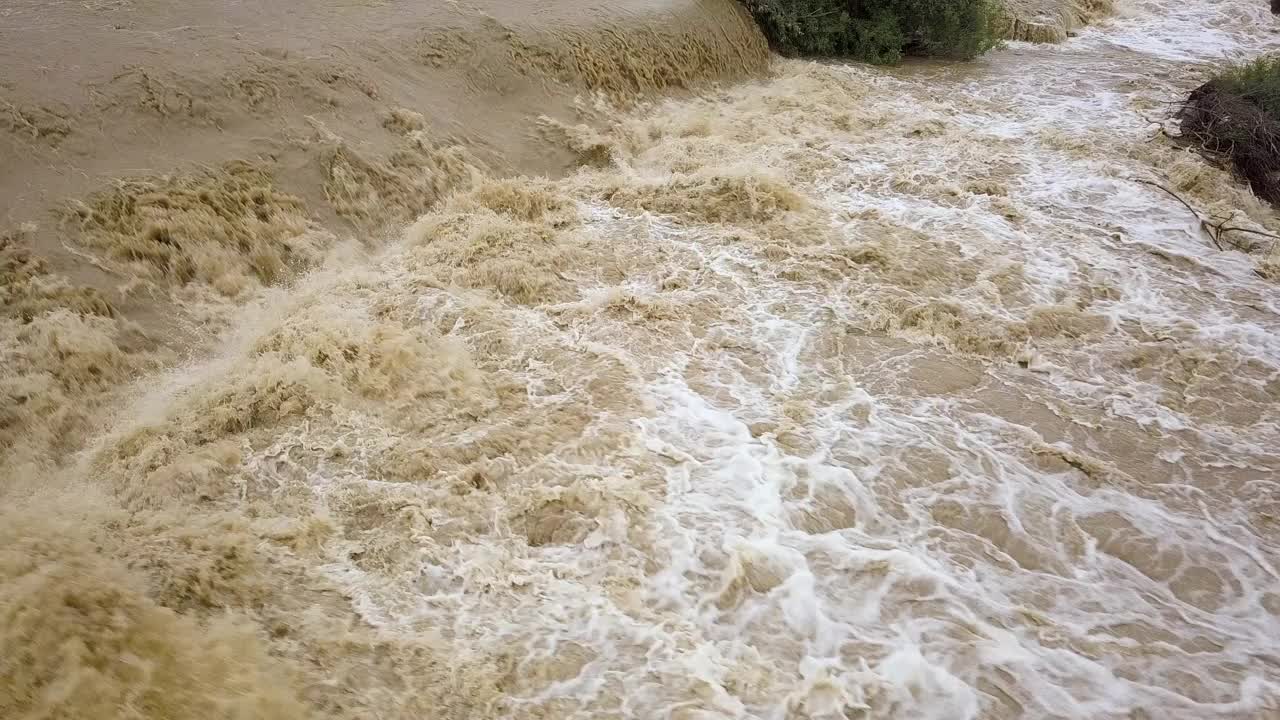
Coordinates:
column 878, row 31
column 1257, row 81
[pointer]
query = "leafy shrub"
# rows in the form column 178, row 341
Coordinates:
column 878, row 31
column 1257, row 81
column 1236, row 116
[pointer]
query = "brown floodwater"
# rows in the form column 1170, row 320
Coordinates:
column 846, row 393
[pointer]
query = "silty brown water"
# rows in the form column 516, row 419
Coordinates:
column 850, row 393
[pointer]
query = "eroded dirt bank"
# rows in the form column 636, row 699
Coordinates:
column 1051, row 21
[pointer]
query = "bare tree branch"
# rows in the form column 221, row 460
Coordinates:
column 1204, row 224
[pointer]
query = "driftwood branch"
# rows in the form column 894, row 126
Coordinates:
column 1215, row 228
column 1233, row 228
column 1204, row 224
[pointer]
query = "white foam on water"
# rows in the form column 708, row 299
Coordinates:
column 984, row 428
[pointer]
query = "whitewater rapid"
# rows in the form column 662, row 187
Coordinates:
column 926, row 407
column 849, row 393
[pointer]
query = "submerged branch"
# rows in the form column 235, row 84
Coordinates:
column 1204, row 224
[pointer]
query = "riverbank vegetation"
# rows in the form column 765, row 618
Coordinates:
column 1236, row 117
column 878, row 31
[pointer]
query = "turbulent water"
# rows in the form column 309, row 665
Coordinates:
column 852, row 393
